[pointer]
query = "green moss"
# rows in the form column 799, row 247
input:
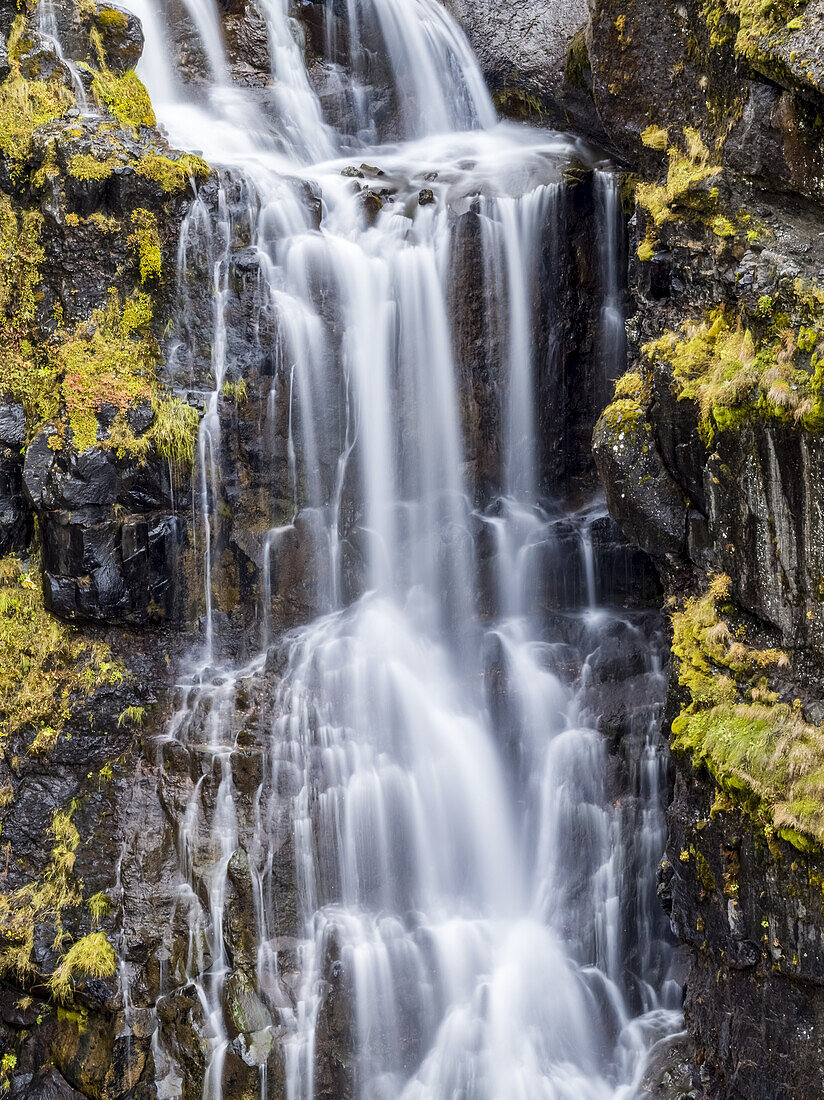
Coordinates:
column 705, row 875
column 517, row 103
column 22, row 255
column 111, row 20
column 623, row 414
column 687, row 169
column 654, row 137
column 91, row 957
column 172, row 175
column 85, row 167
column 736, row 375
column 104, row 223
column 109, row 360
column 25, row 105
column 46, row 667
column 752, row 28
column 722, row 226
column 8, row 1064
column 45, row 898
column 135, row 716
column 125, row 96
column 235, row 391
column 146, row 240
column 578, row 69
column 99, row 905
column 174, row 431
column 761, row 752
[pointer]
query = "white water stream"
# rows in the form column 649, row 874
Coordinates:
column 458, row 857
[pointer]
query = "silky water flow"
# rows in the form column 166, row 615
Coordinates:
column 466, row 884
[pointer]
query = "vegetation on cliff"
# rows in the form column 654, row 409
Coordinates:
column 67, row 375
column 46, row 666
column 47, row 898
column 758, row 749
column 81, row 354
column 740, row 364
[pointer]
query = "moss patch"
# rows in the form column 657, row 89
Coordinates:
column 26, row 104
column 89, row 957
column 125, row 96
column 751, row 27
column 687, row 169
column 740, row 366
column 760, row 751
column 172, row 175
column 47, row 669
column 108, row 360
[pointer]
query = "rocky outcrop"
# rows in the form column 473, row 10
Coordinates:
column 522, row 49
column 95, row 457
column 709, row 455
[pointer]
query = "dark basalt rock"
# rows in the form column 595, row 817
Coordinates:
column 753, row 914
column 744, row 501
column 112, row 539
column 119, row 32
column 15, row 518
column 121, row 35
column 640, row 491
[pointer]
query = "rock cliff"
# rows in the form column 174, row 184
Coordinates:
column 710, row 458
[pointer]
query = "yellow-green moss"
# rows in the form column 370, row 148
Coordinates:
column 517, row 103
column 735, row 376
column 174, row 431
column 26, row 371
column 104, row 223
column 43, row 899
column 109, row 360
column 722, row 226
column 89, row 957
column 646, row 249
column 752, row 27
column 146, row 240
column 687, row 168
column 99, row 905
column 111, row 20
column 760, row 751
column 235, row 391
column 86, row 167
column 654, row 137
column 578, row 63
column 631, row 385
column 46, row 667
column 172, row 175
column 26, row 105
column 125, row 96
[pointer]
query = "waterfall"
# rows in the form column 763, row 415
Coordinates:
column 473, row 906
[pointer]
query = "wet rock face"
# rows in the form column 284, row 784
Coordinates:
column 15, row 518
column 119, row 32
column 765, row 517
column 113, row 542
column 739, row 496
column 569, row 363
column 752, row 912
column 638, row 485
column 522, row 49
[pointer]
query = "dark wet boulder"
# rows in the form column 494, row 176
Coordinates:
column 121, row 36
column 641, row 493
column 112, row 541
column 15, row 515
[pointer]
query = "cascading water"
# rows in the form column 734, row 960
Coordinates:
column 467, row 884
